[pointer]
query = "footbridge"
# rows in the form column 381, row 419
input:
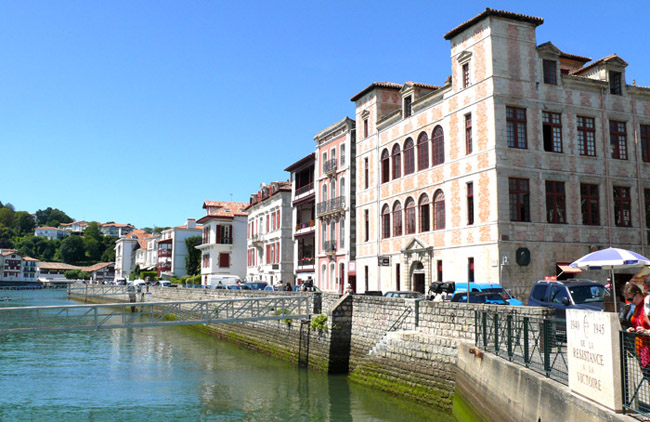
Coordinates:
column 150, row 314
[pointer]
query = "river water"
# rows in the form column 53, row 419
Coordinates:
column 173, row 374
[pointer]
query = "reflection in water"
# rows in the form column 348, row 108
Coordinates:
column 177, row 374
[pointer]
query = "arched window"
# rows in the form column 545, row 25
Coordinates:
column 342, row 233
column 323, row 276
column 385, row 167
column 409, row 215
column 324, row 198
column 397, row 219
column 397, row 161
column 423, row 151
column 424, row 213
column 409, row 161
column 332, row 274
column 333, row 188
column 333, row 233
column 439, row 210
column 342, row 187
column 323, row 234
column 438, row 146
column 385, row 222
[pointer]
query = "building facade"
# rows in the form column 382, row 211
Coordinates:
column 223, row 249
column 51, row 233
column 524, row 160
column 303, row 201
column 16, row 267
column 74, row 227
column 116, row 230
column 270, row 230
column 172, row 249
column 126, row 252
column 335, row 199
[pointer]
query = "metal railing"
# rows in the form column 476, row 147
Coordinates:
column 635, row 372
column 534, row 342
column 329, row 166
column 332, row 205
column 329, row 246
column 150, row 314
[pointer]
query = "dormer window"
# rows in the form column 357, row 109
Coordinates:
column 466, row 81
column 407, row 106
column 615, row 79
column 550, row 72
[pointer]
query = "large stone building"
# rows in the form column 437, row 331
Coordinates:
column 524, row 160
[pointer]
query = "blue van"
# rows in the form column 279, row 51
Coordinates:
column 488, row 288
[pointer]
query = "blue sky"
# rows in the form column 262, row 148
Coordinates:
column 138, row 111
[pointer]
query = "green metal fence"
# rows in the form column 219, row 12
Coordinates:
column 534, row 342
column 635, row 372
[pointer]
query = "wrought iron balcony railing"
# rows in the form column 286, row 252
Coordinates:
column 329, row 166
column 330, row 206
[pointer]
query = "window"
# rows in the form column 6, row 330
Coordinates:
column 618, row 140
column 324, row 188
column 333, row 233
column 224, row 260
column 366, row 275
column 470, row 203
column 622, row 207
column 342, row 233
column 323, row 232
column 324, row 166
column 409, row 215
column 407, row 106
column 470, row 269
column 516, row 127
column 342, row 155
column 385, row 222
column 206, row 260
column 438, row 146
column 519, row 199
column 468, row 133
column 365, row 127
column 589, row 204
column 206, row 234
column 555, row 202
column 367, row 224
column 552, row 131
column 646, row 193
column 466, row 81
column 342, row 187
column 587, row 136
column 385, row 166
column 397, row 161
column 424, row 213
column 439, row 268
column 365, row 172
column 333, row 188
column 438, row 210
column 333, row 156
column 550, row 72
column 615, row 87
column 409, row 159
column 397, row 219
column 423, row 151
column 645, row 143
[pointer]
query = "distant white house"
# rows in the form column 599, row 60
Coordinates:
column 126, row 248
column 172, row 250
column 116, row 230
column 50, row 232
column 74, row 227
column 16, row 267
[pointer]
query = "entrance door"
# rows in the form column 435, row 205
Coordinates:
column 418, row 282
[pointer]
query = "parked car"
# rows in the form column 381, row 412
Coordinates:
column 271, row 288
column 405, row 294
column 165, row 283
column 258, row 285
column 568, row 294
column 479, row 297
column 489, row 288
column 238, row 287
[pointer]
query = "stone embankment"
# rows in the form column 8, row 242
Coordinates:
column 402, row 346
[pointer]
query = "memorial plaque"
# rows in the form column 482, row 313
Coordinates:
column 593, row 356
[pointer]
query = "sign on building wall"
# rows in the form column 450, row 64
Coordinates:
column 593, row 353
column 384, row 261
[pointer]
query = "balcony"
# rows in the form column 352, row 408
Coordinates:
column 329, row 247
column 331, row 206
column 164, row 253
column 306, row 261
column 305, row 225
column 224, row 241
column 304, row 189
column 329, row 166
column 256, row 239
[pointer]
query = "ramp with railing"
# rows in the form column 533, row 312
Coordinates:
column 150, row 314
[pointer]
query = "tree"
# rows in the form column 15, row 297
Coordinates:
column 52, row 217
column 94, row 231
column 23, row 222
column 10, row 206
column 5, row 237
column 108, row 255
column 7, row 217
column 72, row 249
column 193, row 257
column 93, row 248
column 71, row 275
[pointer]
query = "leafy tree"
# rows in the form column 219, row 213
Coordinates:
column 93, row 248
column 7, row 217
column 136, row 270
column 23, row 222
column 10, row 206
column 1, row 204
column 193, row 257
column 108, row 255
column 5, row 237
column 147, row 230
column 84, row 275
column 159, row 229
column 94, row 231
column 71, row 275
column 52, row 217
column 72, row 249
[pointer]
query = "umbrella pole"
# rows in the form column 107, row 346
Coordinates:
column 614, row 290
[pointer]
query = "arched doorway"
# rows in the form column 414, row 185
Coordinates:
column 418, row 277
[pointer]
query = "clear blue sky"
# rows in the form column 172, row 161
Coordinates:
column 138, row 111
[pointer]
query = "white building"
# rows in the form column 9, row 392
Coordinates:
column 15, row 267
column 147, row 257
column 125, row 252
column 74, row 227
column 223, row 250
column 116, row 230
column 51, row 233
column 172, row 250
column 270, row 243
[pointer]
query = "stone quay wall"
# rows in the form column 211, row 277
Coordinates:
column 401, row 346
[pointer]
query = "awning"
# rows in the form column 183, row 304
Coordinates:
column 565, row 268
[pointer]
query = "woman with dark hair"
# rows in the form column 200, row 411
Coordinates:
column 634, row 295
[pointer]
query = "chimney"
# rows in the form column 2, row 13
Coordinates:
column 191, row 223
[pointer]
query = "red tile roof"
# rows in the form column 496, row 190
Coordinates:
column 491, row 12
column 389, row 85
column 597, row 62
